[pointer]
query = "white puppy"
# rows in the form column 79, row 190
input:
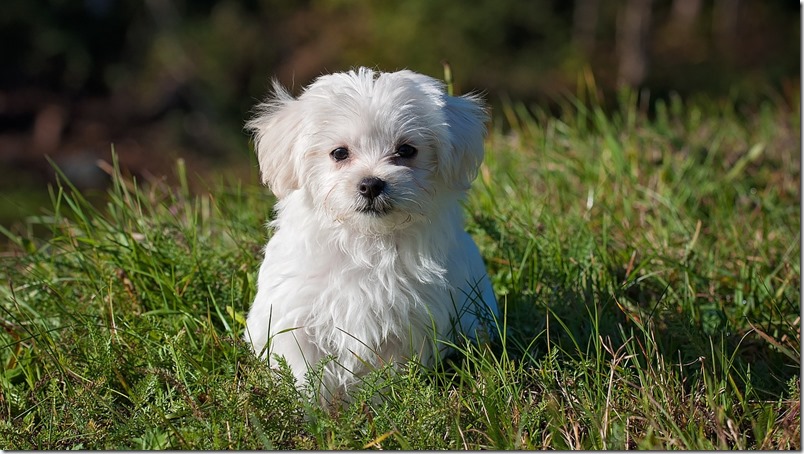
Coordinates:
column 369, row 263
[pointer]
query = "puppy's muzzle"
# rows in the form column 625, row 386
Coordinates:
column 374, row 196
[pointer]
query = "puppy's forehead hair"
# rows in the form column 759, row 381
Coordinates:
column 402, row 102
column 366, row 82
column 367, row 88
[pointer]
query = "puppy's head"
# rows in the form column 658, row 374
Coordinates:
column 372, row 150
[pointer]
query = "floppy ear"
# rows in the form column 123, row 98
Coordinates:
column 466, row 118
column 278, row 129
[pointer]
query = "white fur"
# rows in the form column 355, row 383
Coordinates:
column 368, row 288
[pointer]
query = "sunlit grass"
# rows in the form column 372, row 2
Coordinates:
column 648, row 268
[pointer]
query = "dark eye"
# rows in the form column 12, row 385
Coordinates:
column 339, row 154
column 406, row 151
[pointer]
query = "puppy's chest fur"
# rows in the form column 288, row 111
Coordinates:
column 373, row 295
column 387, row 285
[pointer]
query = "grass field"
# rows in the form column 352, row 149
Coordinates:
column 648, row 266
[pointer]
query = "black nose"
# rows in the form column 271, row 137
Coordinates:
column 370, row 187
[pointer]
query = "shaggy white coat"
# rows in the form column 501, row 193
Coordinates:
column 364, row 282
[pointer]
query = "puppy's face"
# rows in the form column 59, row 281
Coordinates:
column 371, row 150
column 372, row 158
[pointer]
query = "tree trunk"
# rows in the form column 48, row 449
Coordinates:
column 633, row 27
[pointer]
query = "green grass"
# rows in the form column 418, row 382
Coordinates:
column 648, row 267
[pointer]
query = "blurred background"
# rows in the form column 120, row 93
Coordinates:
column 162, row 79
